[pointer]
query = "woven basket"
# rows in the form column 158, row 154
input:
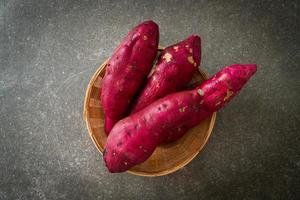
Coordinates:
column 166, row 158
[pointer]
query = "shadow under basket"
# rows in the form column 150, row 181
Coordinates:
column 166, row 158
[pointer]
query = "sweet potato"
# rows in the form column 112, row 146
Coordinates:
column 134, row 138
column 126, row 70
column 174, row 69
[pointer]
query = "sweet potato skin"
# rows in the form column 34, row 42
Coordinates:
column 126, row 70
column 133, row 139
column 217, row 91
column 174, row 69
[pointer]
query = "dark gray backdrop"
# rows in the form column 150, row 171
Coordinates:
column 50, row 49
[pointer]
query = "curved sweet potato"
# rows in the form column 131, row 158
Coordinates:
column 134, row 138
column 174, row 69
column 126, row 70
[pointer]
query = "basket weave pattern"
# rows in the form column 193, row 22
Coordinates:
column 166, row 158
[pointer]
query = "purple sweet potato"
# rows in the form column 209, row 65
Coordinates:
column 134, row 138
column 174, row 69
column 126, row 70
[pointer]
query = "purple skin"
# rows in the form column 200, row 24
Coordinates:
column 217, row 92
column 174, row 69
column 134, row 138
column 126, row 70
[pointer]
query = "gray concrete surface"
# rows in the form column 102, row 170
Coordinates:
column 50, row 49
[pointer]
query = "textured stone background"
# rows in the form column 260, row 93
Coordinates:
column 50, row 49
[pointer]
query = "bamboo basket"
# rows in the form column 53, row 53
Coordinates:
column 166, row 158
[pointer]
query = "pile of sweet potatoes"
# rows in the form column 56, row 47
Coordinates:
column 144, row 110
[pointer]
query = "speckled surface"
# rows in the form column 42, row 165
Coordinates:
column 50, row 49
